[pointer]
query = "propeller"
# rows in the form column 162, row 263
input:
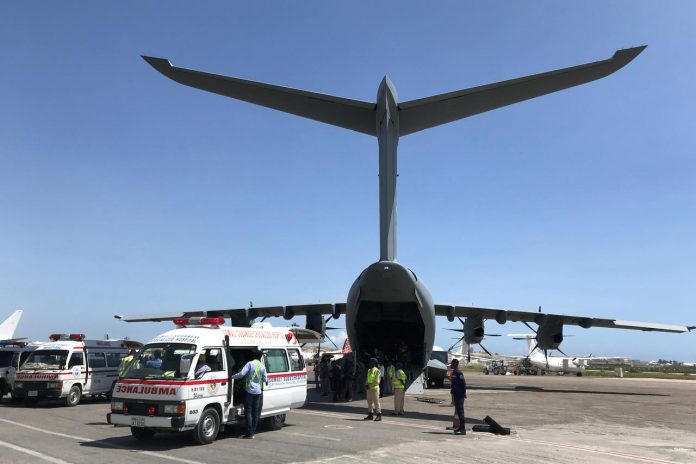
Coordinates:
column 468, row 346
column 331, row 328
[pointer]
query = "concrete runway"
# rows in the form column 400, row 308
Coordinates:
column 553, row 419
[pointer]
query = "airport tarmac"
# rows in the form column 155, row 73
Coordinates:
column 553, row 419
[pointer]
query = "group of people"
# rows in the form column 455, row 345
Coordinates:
column 343, row 379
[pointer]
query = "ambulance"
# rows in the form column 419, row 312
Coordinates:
column 12, row 354
column 159, row 390
column 70, row 367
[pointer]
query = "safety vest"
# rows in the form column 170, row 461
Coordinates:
column 124, row 363
column 373, row 378
column 400, row 380
column 390, row 372
column 255, row 376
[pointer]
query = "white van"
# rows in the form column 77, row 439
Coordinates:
column 159, row 391
column 12, row 354
column 70, row 367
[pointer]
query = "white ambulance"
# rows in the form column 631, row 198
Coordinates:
column 159, row 390
column 70, row 367
column 12, row 354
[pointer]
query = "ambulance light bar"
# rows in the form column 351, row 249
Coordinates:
column 184, row 321
column 74, row 337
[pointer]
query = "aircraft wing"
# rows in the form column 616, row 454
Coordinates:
column 416, row 115
column 244, row 316
column 343, row 112
column 538, row 317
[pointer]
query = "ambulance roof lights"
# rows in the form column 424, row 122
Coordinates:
column 184, row 321
column 74, row 337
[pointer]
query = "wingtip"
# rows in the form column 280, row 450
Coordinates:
column 160, row 64
column 118, row 316
column 628, row 54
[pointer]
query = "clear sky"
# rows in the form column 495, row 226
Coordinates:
column 122, row 192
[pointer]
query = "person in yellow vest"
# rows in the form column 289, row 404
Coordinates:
column 125, row 362
column 399, row 387
column 254, row 375
column 372, row 387
column 389, row 380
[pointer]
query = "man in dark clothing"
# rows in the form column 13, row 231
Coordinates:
column 336, row 379
column 348, row 373
column 458, row 392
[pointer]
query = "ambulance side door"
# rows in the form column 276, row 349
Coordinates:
column 78, row 370
column 96, row 360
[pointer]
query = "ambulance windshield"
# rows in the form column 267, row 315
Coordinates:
column 46, row 360
column 160, row 361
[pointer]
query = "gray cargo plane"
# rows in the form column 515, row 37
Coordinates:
column 388, row 304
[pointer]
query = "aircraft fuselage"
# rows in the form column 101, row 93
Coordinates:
column 388, row 306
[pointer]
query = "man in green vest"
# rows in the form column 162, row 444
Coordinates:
column 372, row 387
column 254, row 375
column 125, row 362
column 399, row 387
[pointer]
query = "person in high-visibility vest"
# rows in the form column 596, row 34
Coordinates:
column 125, row 362
column 372, row 387
column 399, row 387
column 254, row 374
column 389, row 378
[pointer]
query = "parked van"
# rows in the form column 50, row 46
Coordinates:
column 159, row 391
column 71, row 367
column 12, row 354
column 10, row 351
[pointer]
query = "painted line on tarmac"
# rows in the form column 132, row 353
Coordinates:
column 310, row 436
column 106, row 443
column 384, row 421
column 36, row 454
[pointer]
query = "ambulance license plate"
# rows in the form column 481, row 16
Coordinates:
column 137, row 422
column 33, row 393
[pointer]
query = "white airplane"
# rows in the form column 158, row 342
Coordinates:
column 565, row 364
column 9, row 325
column 388, row 305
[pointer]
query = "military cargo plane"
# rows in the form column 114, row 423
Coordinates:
column 388, row 304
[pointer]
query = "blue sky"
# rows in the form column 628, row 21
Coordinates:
column 123, row 192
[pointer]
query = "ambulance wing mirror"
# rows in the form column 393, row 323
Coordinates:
column 184, row 366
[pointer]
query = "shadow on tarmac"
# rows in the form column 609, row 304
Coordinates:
column 167, row 441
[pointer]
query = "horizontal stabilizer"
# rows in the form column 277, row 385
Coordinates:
column 416, row 115
column 342, row 112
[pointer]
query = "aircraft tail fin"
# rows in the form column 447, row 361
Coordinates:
column 8, row 326
column 356, row 115
column 416, row 115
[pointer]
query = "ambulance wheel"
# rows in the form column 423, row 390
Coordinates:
column 110, row 393
column 275, row 422
column 142, row 434
column 74, row 396
column 4, row 388
column 208, row 427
